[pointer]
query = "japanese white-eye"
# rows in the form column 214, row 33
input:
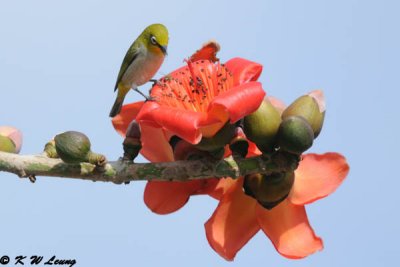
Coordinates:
column 141, row 62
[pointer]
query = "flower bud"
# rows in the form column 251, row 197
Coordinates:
column 14, row 135
column 311, row 107
column 74, row 147
column 7, row 145
column 268, row 190
column 295, row 135
column 132, row 143
column 219, row 140
column 262, row 126
column 239, row 145
column 133, row 130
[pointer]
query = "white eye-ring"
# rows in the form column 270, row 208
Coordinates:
column 153, row 40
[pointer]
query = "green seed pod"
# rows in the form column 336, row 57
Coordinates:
column 268, row 190
column 262, row 126
column 7, row 145
column 311, row 107
column 295, row 135
column 72, row 147
column 219, row 140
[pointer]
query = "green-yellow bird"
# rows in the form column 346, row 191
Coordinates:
column 141, row 62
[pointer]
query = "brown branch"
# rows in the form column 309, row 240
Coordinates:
column 124, row 171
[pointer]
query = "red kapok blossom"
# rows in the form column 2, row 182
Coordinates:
column 239, row 217
column 192, row 102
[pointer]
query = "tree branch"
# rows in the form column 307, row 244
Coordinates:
column 124, row 171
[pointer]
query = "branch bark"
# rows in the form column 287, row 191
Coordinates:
column 124, row 171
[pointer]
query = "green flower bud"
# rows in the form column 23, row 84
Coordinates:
column 295, row 135
column 74, row 147
column 268, row 190
column 262, row 126
column 7, row 145
column 311, row 107
column 219, row 140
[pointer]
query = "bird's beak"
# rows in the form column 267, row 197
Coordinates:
column 163, row 48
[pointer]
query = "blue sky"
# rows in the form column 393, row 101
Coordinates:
column 58, row 65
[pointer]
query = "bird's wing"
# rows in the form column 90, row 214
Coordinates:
column 130, row 56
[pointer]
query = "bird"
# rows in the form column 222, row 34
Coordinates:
column 141, row 62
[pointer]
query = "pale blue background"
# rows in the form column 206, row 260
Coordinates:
column 58, row 64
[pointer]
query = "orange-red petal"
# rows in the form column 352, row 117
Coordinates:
column 237, row 102
column 155, row 146
column 243, row 70
column 183, row 123
column 233, row 223
column 288, row 228
column 318, row 176
column 208, row 51
column 123, row 119
column 166, row 197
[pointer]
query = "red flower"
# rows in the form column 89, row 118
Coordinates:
column 239, row 217
column 192, row 102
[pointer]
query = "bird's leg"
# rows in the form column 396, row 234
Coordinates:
column 148, row 98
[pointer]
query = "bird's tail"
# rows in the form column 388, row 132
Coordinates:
column 116, row 108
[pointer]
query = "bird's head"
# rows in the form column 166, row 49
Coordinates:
column 156, row 38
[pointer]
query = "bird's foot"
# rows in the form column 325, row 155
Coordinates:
column 155, row 82
column 148, row 98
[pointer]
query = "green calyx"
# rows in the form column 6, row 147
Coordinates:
column 295, row 135
column 262, row 126
column 7, row 145
column 50, row 150
column 268, row 190
column 307, row 107
column 131, row 146
column 219, row 140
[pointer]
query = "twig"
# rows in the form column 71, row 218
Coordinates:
column 124, row 171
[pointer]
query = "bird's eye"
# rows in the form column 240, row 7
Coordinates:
column 153, row 40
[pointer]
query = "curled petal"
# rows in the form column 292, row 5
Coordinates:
column 14, row 134
column 167, row 197
column 208, row 51
column 123, row 119
column 243, row 70
column 289, row 230
column 253, row 150
column 233, row 223
column 183, row 123
column 318, row 176
column 237, row 102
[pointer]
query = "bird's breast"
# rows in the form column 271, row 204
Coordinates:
column 142, row 69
